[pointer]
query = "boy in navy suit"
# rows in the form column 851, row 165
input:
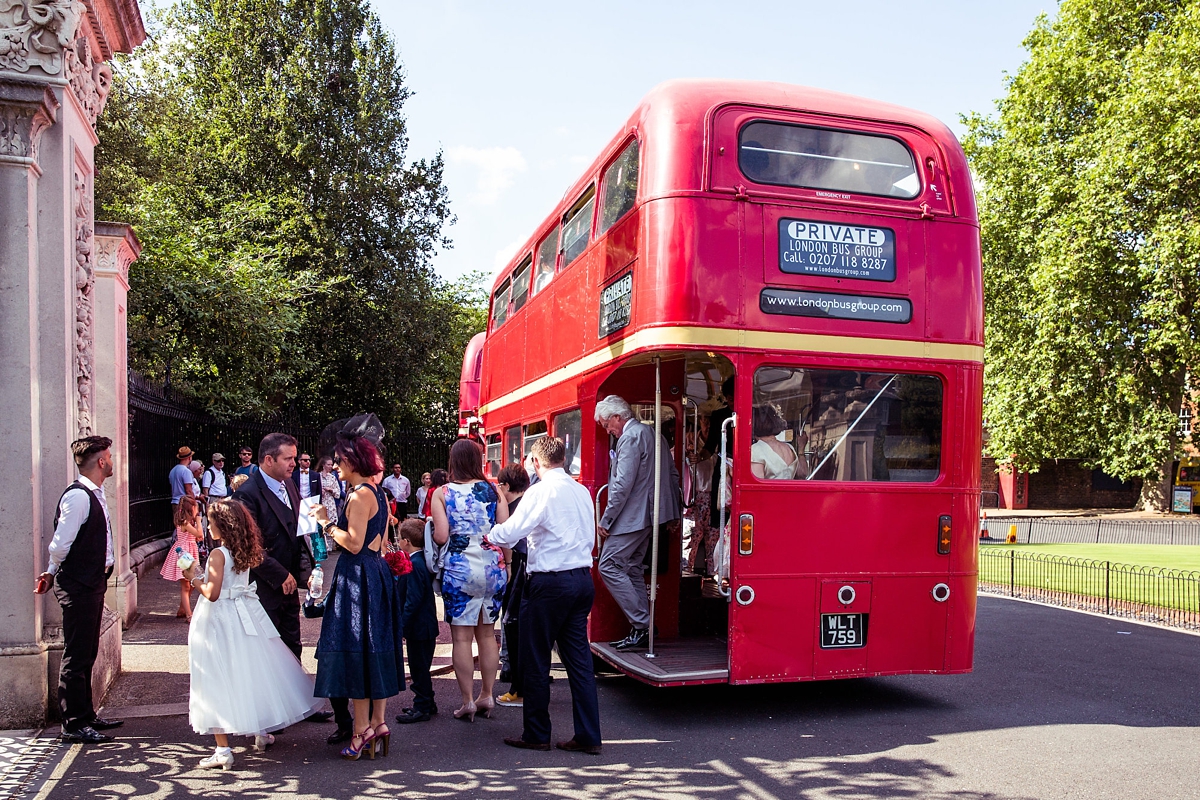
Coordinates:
column 420, row 623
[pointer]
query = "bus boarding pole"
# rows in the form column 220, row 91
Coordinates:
column 657, row 486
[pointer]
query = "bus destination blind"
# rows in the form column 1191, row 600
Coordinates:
column 808, row 247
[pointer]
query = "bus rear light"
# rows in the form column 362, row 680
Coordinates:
column 944, row 535
column 746, row 534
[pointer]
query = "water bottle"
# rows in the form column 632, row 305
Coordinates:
column 182, row 559
column 316, row 583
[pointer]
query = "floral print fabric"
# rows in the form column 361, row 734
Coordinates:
column 473, row 578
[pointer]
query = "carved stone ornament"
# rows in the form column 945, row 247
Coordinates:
column 25, row 111
column 34, row 33
column 85, row 283
column 90, row 80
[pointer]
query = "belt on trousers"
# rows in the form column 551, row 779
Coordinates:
column 559, row 572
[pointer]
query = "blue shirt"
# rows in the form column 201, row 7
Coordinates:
column 247, row 470
column 277, row 489
column 180, row 478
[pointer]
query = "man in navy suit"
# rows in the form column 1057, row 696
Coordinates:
column 306, row 479
column 420, row 623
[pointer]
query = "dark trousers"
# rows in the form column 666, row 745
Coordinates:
column 554, row 611
column 420, row 660
column 286, row 618
column 512, row 621
column 82, row 611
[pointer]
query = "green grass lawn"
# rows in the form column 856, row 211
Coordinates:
column 1131, row 585
column 1170, row 556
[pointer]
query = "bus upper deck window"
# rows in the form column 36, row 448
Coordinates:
column 520, row 284
column 819, row 158
column 620, row 188
column 500, row 305
column 577, row 226
column 547, row 258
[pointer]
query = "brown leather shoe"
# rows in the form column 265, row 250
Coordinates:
column 516, row 741
column 573, row 746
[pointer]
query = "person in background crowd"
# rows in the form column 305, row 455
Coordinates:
column 214, row 485
column 237, row 482
column 246, row 465
column 439, row 477
column 331, row 491
column 180, row 477
column 513, row 482
column 197, row 469
column 627, row 525
column 360, row 652
column 556, row 517
column 399, row 487
column 422, row 491
column 473, row 577
column 420, row 623
column 308, row 481
column 81, row 560
column 188, row 533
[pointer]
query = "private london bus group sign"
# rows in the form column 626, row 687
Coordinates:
column 807, row 247
column 615, row 304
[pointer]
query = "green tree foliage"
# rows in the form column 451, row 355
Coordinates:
column 1089, row 180
column 259, row 148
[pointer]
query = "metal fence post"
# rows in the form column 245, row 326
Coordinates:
column 1107, row 594
column 1097, row 530
column 1012, row 573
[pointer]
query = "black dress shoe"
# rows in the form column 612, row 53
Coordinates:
column 636, row 639
column 340, row 735
column 516, row 741
column 319, row 716
column 572, row 746
column 432, row 713
column 411, row 715
column 106, row 724
column 89, row 735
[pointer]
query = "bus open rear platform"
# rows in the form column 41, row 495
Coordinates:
column 676, row 662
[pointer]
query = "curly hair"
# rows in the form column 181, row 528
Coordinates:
column 231, row 522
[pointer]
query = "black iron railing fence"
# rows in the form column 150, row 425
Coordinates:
column 1095, row 530
column 160, row 423
column 1151, row 594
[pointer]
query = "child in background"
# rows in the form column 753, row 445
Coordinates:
column 420, row 623
column 245, row 680
column 188, row 532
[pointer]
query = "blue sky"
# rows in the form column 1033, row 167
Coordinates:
column 522, row 96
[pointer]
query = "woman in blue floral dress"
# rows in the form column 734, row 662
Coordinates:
column 474, row 577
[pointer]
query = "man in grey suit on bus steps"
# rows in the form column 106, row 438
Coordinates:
column 628, row 520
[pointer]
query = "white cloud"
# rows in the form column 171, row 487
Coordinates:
column 503, row 256
column 496, row 167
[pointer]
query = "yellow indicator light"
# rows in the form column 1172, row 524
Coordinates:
column 746, row 538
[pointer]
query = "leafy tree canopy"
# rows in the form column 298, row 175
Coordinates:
column 1088, row 185
column 259, row 149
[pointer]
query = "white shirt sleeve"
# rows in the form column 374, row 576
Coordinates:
column 73, row 511
column 524, row 521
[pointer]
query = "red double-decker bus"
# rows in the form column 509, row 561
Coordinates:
column 787, row 282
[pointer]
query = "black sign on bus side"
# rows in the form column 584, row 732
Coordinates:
column 835, row 250
column 616, row 302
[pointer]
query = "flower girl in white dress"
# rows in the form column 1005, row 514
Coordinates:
column 245, row 680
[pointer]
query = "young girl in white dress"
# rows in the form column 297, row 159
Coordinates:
column 245, row 680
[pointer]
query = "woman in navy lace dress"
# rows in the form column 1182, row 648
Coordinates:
column 359, row 652
column 473, row 577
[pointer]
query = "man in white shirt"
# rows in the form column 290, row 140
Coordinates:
column 81, row 560
column 555, row 517
column 215, row 486
column 399, row 487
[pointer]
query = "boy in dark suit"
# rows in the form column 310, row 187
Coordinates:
column 420, row 623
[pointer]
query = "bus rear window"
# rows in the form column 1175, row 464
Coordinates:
column 841, row 425
column 818, row 158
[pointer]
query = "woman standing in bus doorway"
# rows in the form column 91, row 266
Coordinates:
column 702, row 537
column 473, row 577
column 771, row 459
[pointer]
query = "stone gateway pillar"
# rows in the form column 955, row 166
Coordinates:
column 54, row 349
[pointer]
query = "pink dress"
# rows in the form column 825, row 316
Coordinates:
column 186, row 542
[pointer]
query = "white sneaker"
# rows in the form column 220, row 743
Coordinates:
column 217, row 761
column 262, row 741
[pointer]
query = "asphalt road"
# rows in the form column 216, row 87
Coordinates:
column 1061, row 705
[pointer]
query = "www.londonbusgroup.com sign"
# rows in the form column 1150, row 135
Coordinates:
column 837, row 251
column 838, row 306
column 615, row 304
